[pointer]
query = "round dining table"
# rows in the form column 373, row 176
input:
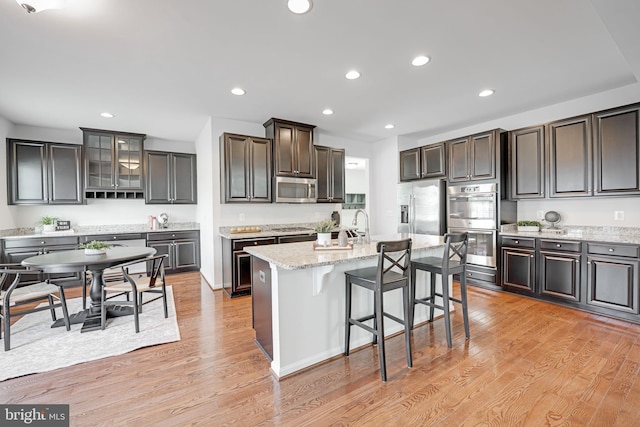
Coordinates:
column 78, row 261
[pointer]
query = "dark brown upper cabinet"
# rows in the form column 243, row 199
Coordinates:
column 113, row 164
column 245, row 169
column 330, row 174
column 423, row 162
column 293, row 151
column 473, row 157
column 616, row 143
column 570, row 164
column 170, row 178
column 527, row 160
column 41, row 173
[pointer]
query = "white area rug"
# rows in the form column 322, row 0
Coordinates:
column 36, row 347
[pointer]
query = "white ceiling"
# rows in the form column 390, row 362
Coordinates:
column 164, row 67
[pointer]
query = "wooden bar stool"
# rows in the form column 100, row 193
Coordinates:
column 453, row 261
column 380, row 279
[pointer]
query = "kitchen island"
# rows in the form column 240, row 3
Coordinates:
column 299, row 299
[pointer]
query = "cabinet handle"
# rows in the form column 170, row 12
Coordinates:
column 115, row 237
column 610, row 249
column 516, row 241
column 558, row 245
column 577, row 261
column 43, row 242
column 531, row 256
column 469, row 274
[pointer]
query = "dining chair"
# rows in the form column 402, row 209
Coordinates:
column 391, row 272
column 453, row 261
column 20, row 292
column 153, row 283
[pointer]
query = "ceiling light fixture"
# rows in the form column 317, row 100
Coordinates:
column 389, row 126
column 107, row 115
column 487, row 92
column 419, row 61
column 327, row 111
column 238, row 91
column 352, row 75
column 299, row 6
column 34, row 6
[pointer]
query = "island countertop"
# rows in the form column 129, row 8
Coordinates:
column 301, row 255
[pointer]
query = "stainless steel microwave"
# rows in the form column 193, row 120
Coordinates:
column 294, row 190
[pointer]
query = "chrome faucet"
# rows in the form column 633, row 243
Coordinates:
column 367, row 237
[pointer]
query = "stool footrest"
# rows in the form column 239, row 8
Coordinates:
column 362, row 325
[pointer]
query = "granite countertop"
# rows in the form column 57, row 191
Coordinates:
column 271, row 230
column 629, row 235
column 98, row 229
column 301, row 255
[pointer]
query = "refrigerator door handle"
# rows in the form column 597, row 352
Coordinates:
column 412, row 219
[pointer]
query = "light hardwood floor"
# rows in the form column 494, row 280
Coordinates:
column 528, row 363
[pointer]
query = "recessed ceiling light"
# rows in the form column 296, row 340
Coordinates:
column 327, row 111
column 299, row 6
column 238, row 91
column 487, row 92
column 389, row 126
column 352, row 75
column 107, row 115
column 419, row 61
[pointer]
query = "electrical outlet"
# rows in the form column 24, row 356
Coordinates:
column 618, row 215
column 241, row 217
column 540, row 214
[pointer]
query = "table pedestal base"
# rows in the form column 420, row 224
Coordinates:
column 92, row 321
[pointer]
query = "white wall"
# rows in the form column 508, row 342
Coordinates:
column 204, row 210
column 6, row 218
column 585, row 211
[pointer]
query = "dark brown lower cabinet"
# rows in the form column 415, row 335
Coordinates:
column 560, row 275
column 261, row 304
column 519, row 269
column 613, row 283
column 236, row 264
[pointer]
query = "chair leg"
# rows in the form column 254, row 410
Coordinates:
column 412, row 297
column 432, row 295
column 463, row 298
column 375, row 317
column 53, row 310
column 164, row 302
column 347, row 320
column 445, row 306
column 407, row 301
column 7, row 326
column 103, row 308
column 65, row 312
column 135, row 312
column 380, row 333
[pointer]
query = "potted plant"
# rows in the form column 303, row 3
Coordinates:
column 533, row 226
column 95, row 247
column 48, row 223
column 324, row 229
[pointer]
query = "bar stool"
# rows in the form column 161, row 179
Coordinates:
column 453, row 261
column 380, row 279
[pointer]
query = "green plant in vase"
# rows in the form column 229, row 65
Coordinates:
column 48, row 223
column 95, row 247
column 324, row 229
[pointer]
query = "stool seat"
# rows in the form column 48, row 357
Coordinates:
column 453, row 261
column 392, row 272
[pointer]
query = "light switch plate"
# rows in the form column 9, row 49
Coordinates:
column 618, row 215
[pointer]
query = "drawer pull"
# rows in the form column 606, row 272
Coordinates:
column 469, row 274
column 558, row 245
column 115, row 237
column 516, row 241
column 43, row 242
column 610, row 249
column 531, row 256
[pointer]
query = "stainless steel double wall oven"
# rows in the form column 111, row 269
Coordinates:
column 479, row 209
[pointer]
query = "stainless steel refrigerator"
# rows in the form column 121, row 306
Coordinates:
column 421, row 207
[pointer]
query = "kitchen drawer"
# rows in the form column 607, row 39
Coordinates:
column 239, row 244
column 40, row 241
column 173, row 235
column 297, row 238
column 614, row 250
column 519, row 242
column 560, row 245
column 488, row 276
column 113, row 237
